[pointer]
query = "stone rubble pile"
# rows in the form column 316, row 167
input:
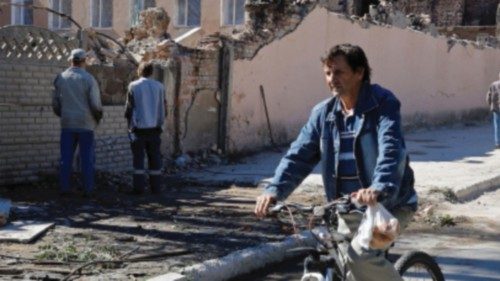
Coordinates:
column 149, row 39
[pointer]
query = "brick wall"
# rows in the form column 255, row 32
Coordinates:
column 29, row 131
column 448, row 12
column 414, row 6
column 113, row 80
column 443, row 12
column 480, row 12
column 198, row 104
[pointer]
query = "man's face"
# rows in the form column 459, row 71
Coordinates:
column 340, row 78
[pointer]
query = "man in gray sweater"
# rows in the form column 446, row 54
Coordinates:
column 77, row 101
column 145, row 112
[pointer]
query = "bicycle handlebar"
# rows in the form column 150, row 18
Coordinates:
column 342, row 204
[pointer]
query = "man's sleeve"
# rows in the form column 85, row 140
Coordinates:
column 56, row 98
column 95, row 100
column 299, row 161
column 392, row 154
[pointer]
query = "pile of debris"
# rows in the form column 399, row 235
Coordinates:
column 149, row 39
column 267, row 21
column 146, row 41
column 197, row 160
column 386, row 13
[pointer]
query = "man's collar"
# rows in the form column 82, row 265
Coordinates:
column 366, row 101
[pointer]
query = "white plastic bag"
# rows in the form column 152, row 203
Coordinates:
column 378, row 228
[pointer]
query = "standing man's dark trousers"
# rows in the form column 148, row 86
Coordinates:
column 146, row 142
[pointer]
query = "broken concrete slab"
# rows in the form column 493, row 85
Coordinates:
column 23, row 231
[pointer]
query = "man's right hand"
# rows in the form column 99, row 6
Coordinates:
column 262, row 204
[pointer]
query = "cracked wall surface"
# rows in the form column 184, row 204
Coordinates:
column 434, row 79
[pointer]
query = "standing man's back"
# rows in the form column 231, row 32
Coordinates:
column 77, row 101
column 145, row 112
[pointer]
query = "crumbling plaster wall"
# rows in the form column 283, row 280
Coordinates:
column 434, row 82
column 197, row 101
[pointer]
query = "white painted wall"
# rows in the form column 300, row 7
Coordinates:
column 417, row 67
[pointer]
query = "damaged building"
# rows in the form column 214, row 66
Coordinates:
column 236, row 88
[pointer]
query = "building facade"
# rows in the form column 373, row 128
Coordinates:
column 113, row 17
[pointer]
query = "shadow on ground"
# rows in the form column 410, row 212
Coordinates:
column 200, row 222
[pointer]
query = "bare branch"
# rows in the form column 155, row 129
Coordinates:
column 35, row 7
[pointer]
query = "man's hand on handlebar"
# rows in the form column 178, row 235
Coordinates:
column 366, row 196
column 263, row 203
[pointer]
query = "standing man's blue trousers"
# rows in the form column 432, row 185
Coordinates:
column 70, row 138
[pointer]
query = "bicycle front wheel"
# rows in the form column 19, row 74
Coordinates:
column 418, row 266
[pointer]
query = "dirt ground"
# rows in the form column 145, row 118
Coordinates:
column 118, row 236
column 139, row 236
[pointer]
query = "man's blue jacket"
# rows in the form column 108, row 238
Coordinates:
column 379, row 148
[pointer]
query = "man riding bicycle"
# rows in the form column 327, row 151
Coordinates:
column 357, row 137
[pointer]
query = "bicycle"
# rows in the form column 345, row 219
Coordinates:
column 323, row 262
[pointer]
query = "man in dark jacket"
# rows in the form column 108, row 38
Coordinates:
column 357, row 137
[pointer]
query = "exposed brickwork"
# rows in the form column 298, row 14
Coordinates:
column 452, row 12
column 468, row 32
column 448, row 12
column 197, row 100
column 113, row 81
column 29, row 138
column 480, row 12
column 414, row 7
column 443, row 12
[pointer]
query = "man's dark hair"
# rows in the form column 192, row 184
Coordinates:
column 145, row 69
column 354, row 55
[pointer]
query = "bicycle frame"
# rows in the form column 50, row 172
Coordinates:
column 323, row 262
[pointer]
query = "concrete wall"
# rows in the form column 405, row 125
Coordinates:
column 432, row 82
